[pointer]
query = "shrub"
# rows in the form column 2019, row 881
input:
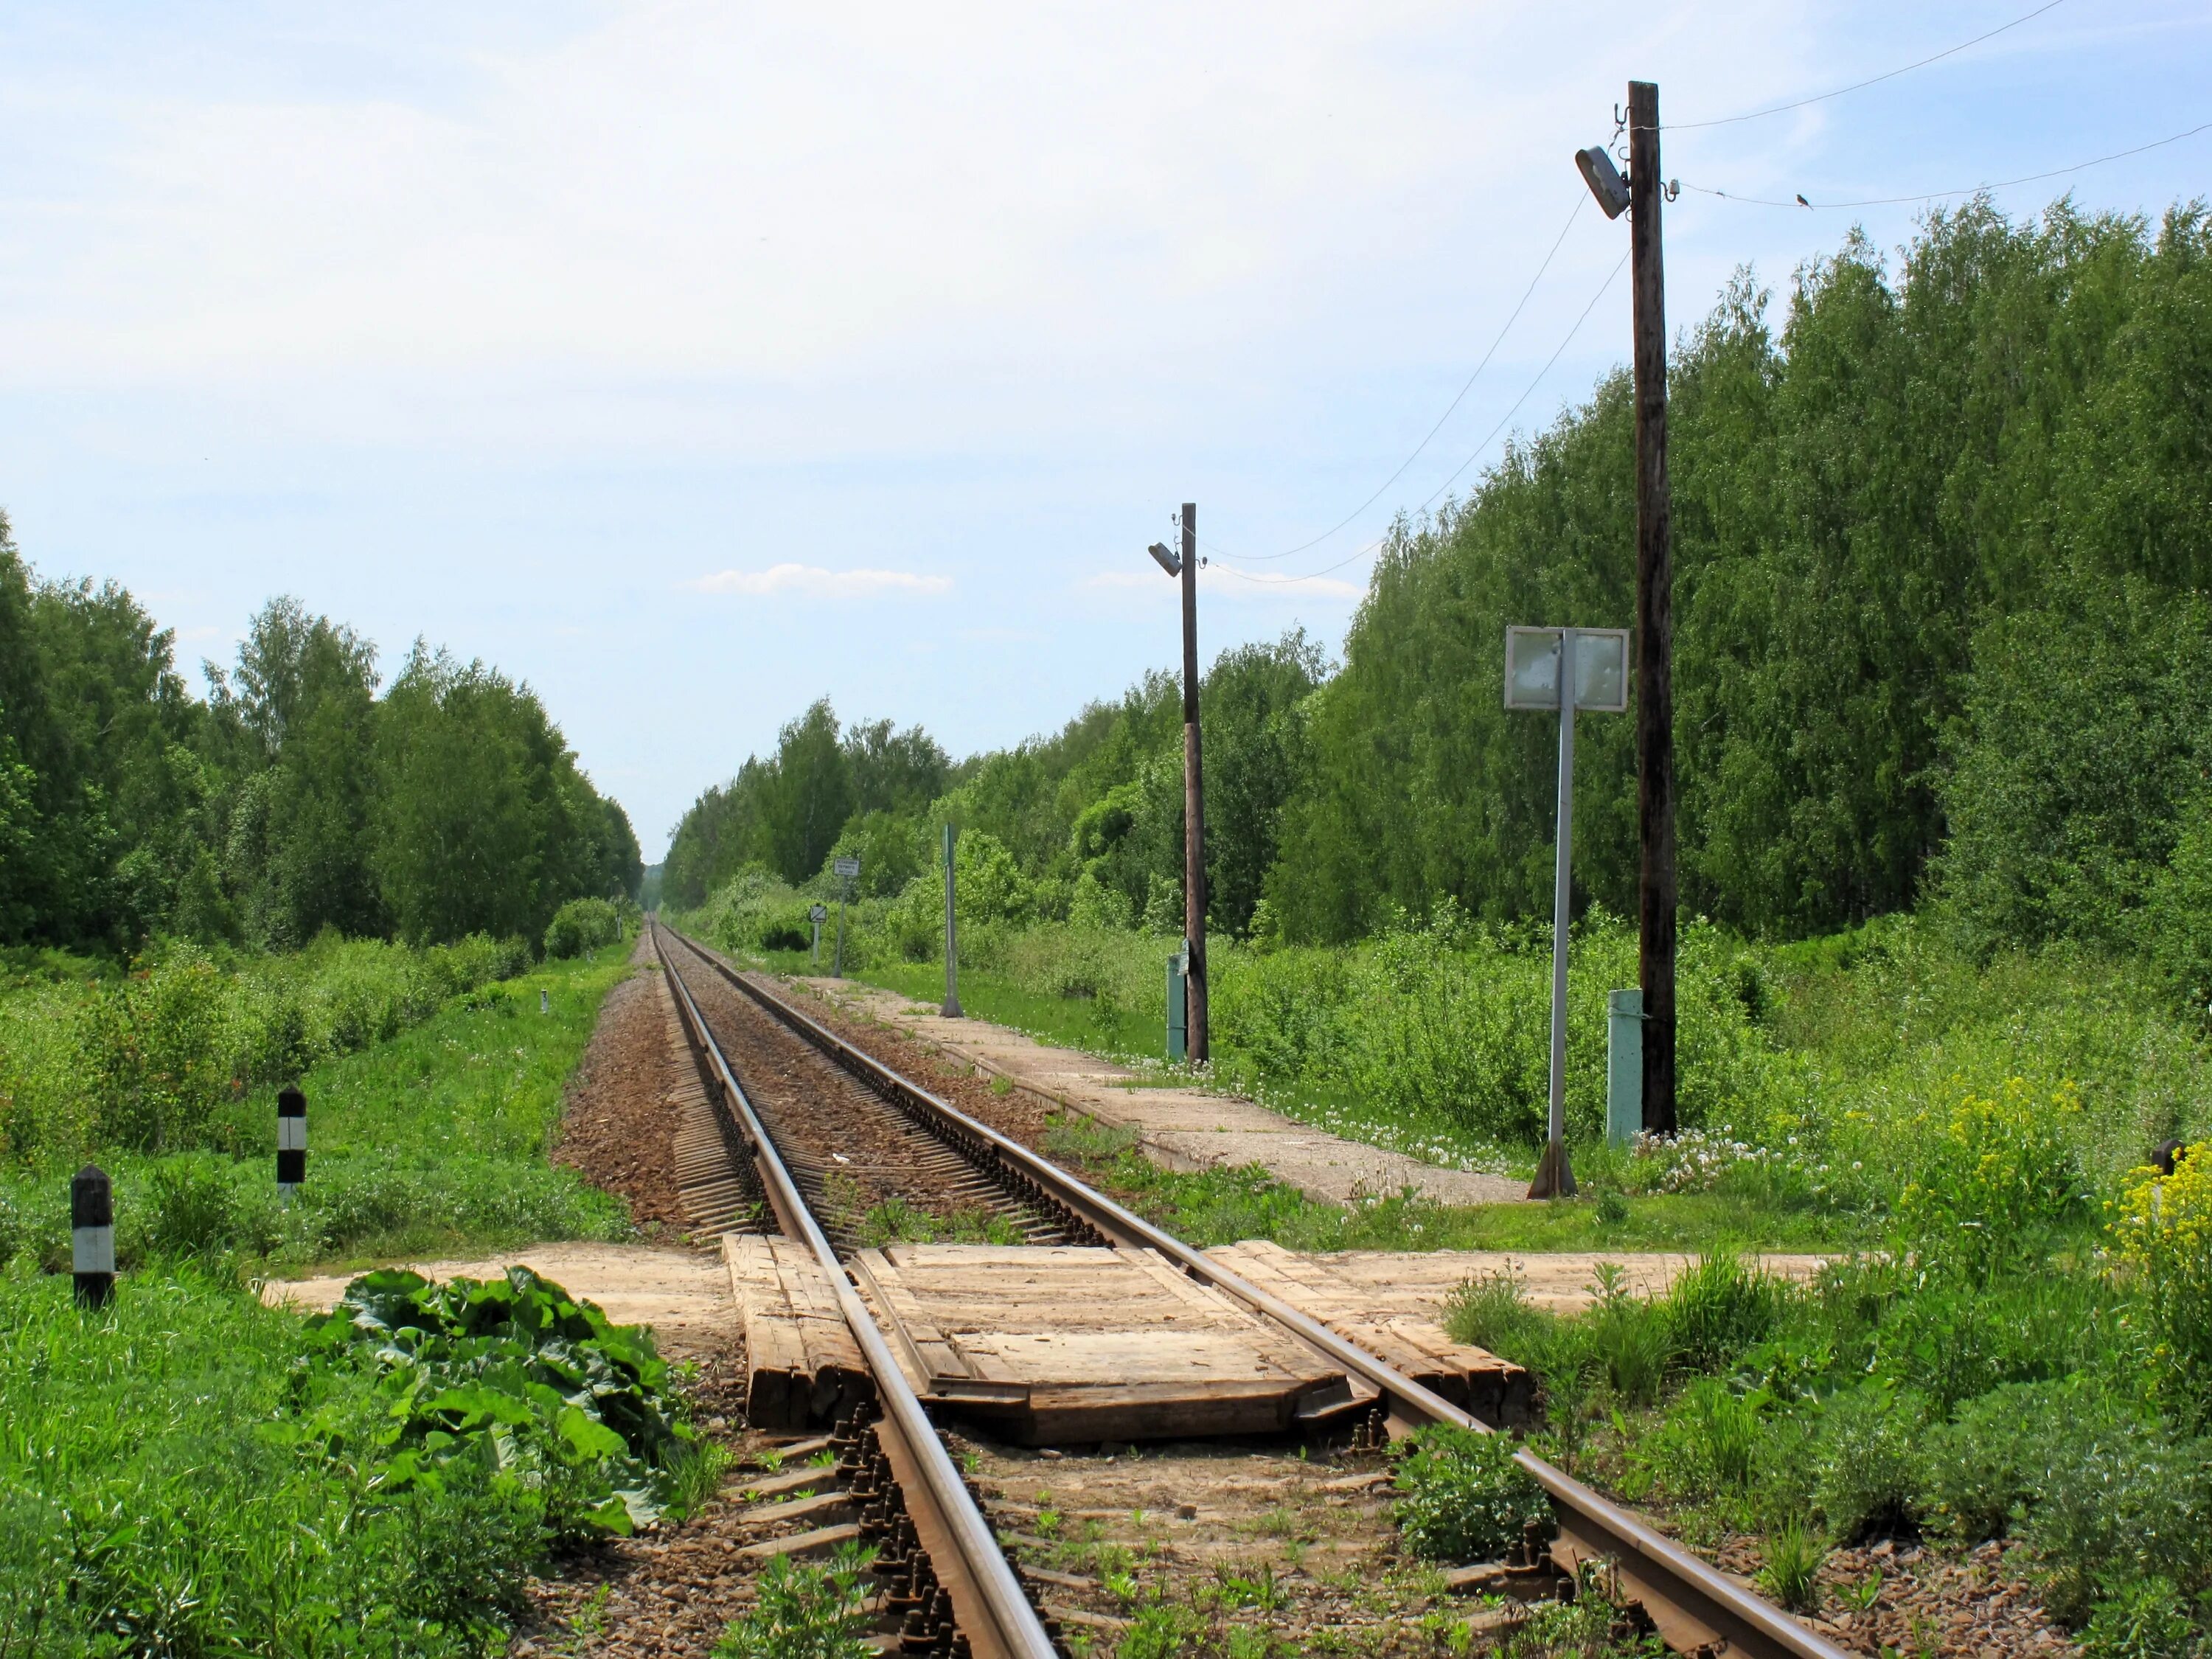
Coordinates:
column 153, row 1052
column 1792, row 1575
column 576, row 1405
column 581, row 926
column 1720, row 1307
column 2000, row 1179
column 1952, row 1341
column 1995, row 1458
column 804, row 1610
column 1460, row 1496
column 2144, row 1620
column 1489, row 1311
column 2123, row 1504
column 1866, row 1465
column 2164, row 1232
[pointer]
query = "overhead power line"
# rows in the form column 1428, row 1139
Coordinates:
column 1460, row 397
column 1473, row 456
column 1860, row 86
column 1939, row 195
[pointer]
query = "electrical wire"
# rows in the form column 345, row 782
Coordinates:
column 1939, row 195
column 1859, row 86
column 1580, row 198
column 1474, row 455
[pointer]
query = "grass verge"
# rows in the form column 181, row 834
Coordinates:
column 1221, row 1206
column 432, row 1141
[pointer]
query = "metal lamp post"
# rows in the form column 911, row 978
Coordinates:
column 1184, row 565
column 1640, row 195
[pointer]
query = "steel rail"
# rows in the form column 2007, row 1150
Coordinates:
column 989, row 1603
column 1694, row 1606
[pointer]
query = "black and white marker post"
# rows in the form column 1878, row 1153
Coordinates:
column 291, row 1143
column 92, row 1235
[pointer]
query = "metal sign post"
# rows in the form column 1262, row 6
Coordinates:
column 1564, row 669
column 846, row 869
column 951, row 944
column 818, row 913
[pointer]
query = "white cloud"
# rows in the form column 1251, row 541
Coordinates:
column 810, row 581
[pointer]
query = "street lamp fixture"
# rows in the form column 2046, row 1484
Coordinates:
column 1169, row 560
column 1604, row 179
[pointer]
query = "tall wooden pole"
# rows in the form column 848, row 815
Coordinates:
column 1194, row 795
column 1655, row 617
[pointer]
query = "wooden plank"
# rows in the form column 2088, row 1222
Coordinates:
column 1069, row 1343
column 1400, row 1331
column 819, row 1542
column 803, row 1368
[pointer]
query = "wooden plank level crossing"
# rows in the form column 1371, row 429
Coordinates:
column 1399, row 1330
column 802, row 1366
column 1064, row 1345
column 1072, row 1343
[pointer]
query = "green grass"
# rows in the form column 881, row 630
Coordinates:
column 201, row 1475
column 434, row 1141
column 1222, row 1207
column 196, row 1488
column 1098, row 1024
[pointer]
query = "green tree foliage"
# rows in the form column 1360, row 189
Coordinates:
column 292, row 801
column 2006, row 422
column 820, row 795
column 807, row 795
column 303, row 706
column 104, row 795
column 484, row 823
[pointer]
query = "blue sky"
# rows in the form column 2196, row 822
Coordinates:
column 694, row 361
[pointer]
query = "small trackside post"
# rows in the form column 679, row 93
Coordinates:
column 92, row 1235
column 1623, row 1067
column 1179, row 1002
column 291, row 1143
column 951, row 941
column 845, row 869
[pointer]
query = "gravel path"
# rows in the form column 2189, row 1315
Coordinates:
column 618, row 1126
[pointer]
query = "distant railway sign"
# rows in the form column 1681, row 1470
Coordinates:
column 817, row 912
column 847, row 868
column 1532, row 669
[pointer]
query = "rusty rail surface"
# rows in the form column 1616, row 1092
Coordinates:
column 988, row 1604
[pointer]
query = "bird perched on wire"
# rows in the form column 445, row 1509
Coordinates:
column 1802, row 202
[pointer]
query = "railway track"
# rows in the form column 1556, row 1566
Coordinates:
column 955, row 1587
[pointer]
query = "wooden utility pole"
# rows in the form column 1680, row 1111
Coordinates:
column 1655, row 617
column 1194, row 796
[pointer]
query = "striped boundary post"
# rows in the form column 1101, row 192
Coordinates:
column 291, row 1142
column 92, row 1235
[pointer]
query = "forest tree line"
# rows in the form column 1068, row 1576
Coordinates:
column 300, row 794
column 1942, row 542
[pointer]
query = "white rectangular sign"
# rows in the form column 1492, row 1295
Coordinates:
column 848, row 868
column 1532, row 669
